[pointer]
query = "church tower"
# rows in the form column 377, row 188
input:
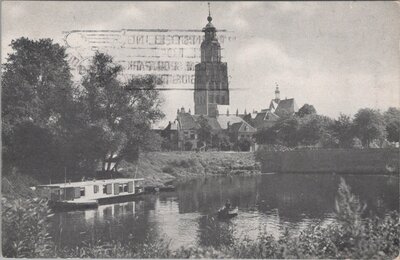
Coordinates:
column 211, row 75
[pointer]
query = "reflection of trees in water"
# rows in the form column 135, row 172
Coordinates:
column 209, row 194
column 380, row 193
column 296, row 196
column 116, row 222
column 214, row 233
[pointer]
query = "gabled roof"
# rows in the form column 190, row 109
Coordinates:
column 223, row 120
column 264, row 117
column 190, row 122
column 286, row 106
column 212, row 122
column 246, row 127
column 274, row 104
column 239, row 127
column 187, row 122
column 235, row 127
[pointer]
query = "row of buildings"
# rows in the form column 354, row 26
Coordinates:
column 211, row 91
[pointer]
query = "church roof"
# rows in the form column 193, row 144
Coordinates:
column 286, row 106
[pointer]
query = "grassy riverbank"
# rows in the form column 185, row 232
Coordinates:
column 160, row 167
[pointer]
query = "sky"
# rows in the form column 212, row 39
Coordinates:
column 337, row 56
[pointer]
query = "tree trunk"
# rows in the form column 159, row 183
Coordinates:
column 103, row 167
column 109, row 161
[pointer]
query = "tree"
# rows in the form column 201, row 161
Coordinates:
column 37, row 95
column 267, row 136
column 369, row 125
column 286, row 131
column 305, row 110
column 122, row 111
column 226, row 145
column 188, row 146
column 204, row 132
column 314, row 129
column 343, row 131
column 392, row 121
column 244, row 144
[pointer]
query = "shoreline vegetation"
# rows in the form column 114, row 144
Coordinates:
column 352, row 235
column 160, row 168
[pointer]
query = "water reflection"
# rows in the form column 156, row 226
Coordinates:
column 266, row 202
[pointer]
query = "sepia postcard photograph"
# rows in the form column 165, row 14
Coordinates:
column 195, row 129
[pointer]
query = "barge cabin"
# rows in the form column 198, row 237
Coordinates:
column 88, row 194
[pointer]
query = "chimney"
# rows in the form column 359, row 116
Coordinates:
column 237, row 112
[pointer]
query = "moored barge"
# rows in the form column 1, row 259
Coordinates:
column 89, row 194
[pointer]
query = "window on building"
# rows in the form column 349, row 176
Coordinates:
column 104, row 189
column 217, row 99
column 125, row 187
column 95, row 188
column 121, row 188
column 82, row 192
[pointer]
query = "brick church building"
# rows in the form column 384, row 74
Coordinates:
column 211, row 90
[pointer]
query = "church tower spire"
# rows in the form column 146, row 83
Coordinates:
column 210, row 47
column 211, row 75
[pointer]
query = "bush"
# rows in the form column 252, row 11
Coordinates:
column 24, row 228
column 168, row 169
column 188, row 146
column 244, row 145
column 184, row 163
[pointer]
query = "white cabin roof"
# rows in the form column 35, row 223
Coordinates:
column 90, row 182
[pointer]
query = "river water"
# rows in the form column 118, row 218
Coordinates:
column 268, row 202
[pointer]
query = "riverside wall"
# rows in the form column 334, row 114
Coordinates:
column 360, row 161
